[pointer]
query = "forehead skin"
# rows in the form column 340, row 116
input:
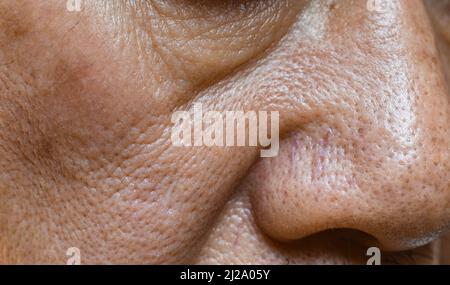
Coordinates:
column 85, row 119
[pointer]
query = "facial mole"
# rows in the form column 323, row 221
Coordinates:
column 333, row 6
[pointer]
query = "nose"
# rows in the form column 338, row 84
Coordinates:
column 366, row 142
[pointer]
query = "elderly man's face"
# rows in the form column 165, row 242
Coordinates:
column 87, row 100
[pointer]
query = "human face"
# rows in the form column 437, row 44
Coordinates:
column 87, row 160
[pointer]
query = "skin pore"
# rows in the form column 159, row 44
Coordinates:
column 86, row 159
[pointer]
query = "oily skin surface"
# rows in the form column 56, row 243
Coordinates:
column 86, row 159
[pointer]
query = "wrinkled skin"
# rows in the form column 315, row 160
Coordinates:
column 86, row 159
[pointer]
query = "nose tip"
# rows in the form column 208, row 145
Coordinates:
column 315, row 185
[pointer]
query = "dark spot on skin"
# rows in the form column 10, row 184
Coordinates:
column 361, row 132
column 333, row 6
column 14, row 25
column 44, row 149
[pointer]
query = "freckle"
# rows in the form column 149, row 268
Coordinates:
column 20, row 31
column 361, row 132
column 434, row 60
column 333, row 6
column 236, row 240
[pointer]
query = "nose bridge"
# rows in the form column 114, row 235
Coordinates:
column 347, row 55
column 373, row 154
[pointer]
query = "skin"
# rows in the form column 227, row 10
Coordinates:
column 86, row 159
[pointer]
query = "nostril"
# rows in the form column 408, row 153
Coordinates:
column 346, row 246
column 357, row 247
column 346, row 238
column 316, row 185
